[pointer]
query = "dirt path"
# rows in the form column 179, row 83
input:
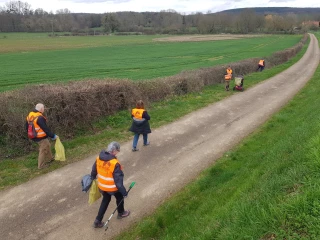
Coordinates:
column 53, row 207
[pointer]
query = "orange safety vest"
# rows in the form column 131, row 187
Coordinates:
column 227, row 77
column 137, row 113
column 229, row 71
column 33, row 116
column 105, row 174
column 261, row 62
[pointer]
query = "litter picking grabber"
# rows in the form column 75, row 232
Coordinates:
column 106, row 224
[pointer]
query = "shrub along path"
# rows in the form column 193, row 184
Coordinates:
column 53, row 207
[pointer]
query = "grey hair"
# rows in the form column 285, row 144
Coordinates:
column 39, row 107
column 113, row 146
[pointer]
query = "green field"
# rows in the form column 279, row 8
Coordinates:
column 26, row 42
column 132, row 57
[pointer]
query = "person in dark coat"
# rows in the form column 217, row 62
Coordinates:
column 108, row 171
column 140, row 125
column 261, row 65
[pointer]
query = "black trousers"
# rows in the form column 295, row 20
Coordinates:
column 260, row 68
column 105, row 203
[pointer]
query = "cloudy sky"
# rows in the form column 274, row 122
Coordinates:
column 181, row 6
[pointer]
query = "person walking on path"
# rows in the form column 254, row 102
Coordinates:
column 108, row 170
column 140, row 125
column 227, row 78
column 261, row 65
column 41, row 134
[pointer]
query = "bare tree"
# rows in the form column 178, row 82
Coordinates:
column 290, row 21
column 17, row 7
column 19, row 16
column 110, row 22
column 63, row 11
column 246, row 21
column 206, row 24
column 40, row 12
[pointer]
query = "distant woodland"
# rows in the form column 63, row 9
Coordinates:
column 18, row 16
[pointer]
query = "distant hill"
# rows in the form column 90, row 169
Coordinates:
column 276, row 10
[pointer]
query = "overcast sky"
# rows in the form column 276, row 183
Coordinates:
column 181, row 6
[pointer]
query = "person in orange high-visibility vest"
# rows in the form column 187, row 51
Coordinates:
column 227, row 78
column 261, row 65
column 108, row 171
column 140, row 125
column 42, row 132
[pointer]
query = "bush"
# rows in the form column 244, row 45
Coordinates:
column 127, row 33
column 53, row 35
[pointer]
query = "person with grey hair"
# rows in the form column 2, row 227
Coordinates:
column 38, row 131
column 108, row 171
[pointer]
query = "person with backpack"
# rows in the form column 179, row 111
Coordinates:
column 38, row 131
column 108, row 171
column 140, row 125
column 227, row 78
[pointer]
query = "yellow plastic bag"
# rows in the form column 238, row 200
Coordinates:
column 237, row 81
column 94, row 193
column 60, row 154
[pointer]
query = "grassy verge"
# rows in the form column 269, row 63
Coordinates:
column 13, row 172
column 265, row 188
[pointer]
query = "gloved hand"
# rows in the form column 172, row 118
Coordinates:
column 54, row 137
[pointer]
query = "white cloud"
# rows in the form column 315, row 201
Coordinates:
column 98, row 1
column 279, row 1
column 182, row 6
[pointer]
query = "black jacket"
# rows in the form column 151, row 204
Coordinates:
column 42, row 122
column 141, row 127
column 117, row 173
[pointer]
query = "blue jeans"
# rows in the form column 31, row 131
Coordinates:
column 136, row 138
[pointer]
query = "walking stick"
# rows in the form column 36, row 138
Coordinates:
column 106, row 224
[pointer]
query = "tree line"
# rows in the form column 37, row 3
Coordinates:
column 18, row 16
